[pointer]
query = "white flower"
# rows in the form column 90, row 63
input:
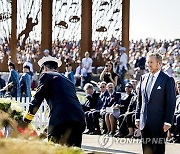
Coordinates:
column 2, row 100
column 7, row 101
column 16, row 107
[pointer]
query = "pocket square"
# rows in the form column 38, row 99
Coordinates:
column 158, row 87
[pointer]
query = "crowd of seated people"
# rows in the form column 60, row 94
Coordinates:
column 105, row 50
column 116, row 110
column 114, row 115
column 119, row 74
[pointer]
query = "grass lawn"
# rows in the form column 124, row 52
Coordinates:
column 19, row 146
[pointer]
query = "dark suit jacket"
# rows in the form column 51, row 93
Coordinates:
column 2, row 85
column 92, row 102
column 133, row 103
column 160, row 107
column 112, row 100
column 104, row 96
column 125, row 103
column 60, row 94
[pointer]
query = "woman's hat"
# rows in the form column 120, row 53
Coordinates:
column 47, row 59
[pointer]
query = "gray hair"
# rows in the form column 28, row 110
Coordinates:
column 156, row 55
column 88, row 86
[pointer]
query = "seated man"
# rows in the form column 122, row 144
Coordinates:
column 92, row 108
column 103, row 95
column 111, row 103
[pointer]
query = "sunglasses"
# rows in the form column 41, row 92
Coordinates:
column 128, row 86
column 102, row 87
column 107, row 65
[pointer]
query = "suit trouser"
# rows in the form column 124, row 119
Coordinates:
column 103, row 121
column 69, row 134
column 92, row 120
column 153, row 144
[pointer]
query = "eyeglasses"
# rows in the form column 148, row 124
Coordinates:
column 128, row 86
column 102, row 87
column 107, row 65
column 110, row 87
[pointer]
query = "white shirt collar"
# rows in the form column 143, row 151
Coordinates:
column 156, row 74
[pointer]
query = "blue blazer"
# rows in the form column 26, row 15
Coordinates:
column 112, row 100
column 104, row 96
column 161, row 104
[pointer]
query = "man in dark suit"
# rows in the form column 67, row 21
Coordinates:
column 155, row 107
column 67, row 119
column 92, row 108
column 2, row 85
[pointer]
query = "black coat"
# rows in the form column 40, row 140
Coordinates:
column 2, row 84
column 125, row 103
column 92, row 102
column 60, row 94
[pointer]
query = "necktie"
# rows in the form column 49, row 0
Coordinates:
column 80, row 71
column 117, row 69
column 148, row 89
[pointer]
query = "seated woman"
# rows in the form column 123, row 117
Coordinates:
column 108, row 75
column 112, row 102
column 125, row 102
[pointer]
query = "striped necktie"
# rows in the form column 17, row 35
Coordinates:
column 148, row 88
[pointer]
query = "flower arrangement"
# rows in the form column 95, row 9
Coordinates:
column 12, row 108
column 11, row 113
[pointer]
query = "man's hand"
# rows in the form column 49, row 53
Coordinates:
column 137, row 124
column 166, row 127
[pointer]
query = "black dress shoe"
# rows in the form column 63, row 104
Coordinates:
column 97, row 132
column 129, row 136
column 137, row 137
column 112, row 133
column 104, row 131
column 119, row 135
column 177, row 140
column 86, row 132
column 91, row 133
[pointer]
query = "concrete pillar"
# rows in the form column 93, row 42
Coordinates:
column 86, row 27
column 46, row 35
column 13, row 38
column 125, row 24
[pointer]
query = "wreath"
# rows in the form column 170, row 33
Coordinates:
column 11, row 114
